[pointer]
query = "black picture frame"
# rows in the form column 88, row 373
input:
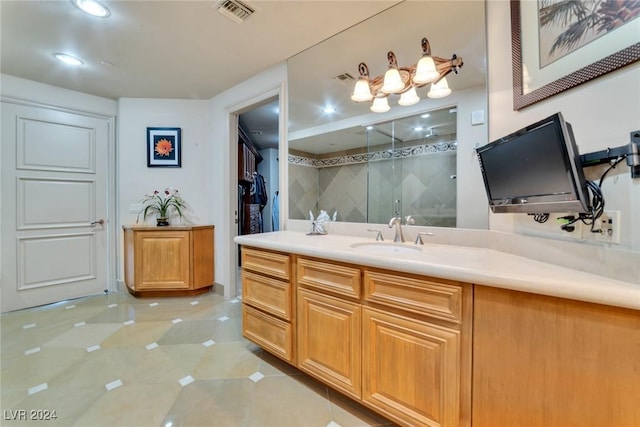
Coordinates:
column 164, row 147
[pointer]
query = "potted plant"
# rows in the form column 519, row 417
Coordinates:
column 161, row 203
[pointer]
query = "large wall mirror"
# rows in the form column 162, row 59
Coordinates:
column 359, row 163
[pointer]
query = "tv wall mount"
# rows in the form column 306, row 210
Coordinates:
column 630, row 151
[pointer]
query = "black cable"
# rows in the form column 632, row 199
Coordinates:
column 597, row 202
column 597, row 198
column 613, row 165
column 597, row 206
column 540, row 217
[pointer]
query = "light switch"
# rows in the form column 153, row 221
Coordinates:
column 477, row 117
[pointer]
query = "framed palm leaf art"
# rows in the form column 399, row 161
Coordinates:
column 560, row 44
column 164, row 147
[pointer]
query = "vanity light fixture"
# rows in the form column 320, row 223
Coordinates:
column 92, row 7
column 404, row 81
column 68, row 59
column 380, row 104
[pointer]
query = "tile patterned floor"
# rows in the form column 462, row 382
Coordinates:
column 114, row 360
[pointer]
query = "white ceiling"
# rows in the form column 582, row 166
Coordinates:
column 414, row 130
column 188, row 50
column 164, row 49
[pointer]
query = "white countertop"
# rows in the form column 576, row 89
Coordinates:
column 475, row 265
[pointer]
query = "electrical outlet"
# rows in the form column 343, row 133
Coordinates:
column 608, row 226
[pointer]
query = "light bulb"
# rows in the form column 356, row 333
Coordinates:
column 68, row 59
column 92, row 7
column 410, row 97
column 362, row 91
column 439, row 89
column 426, row 71
column 392, row 81
column 380, row 105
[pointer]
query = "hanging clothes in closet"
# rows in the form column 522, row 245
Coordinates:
column 240, row 210
column 259, row 195
column 275, row 212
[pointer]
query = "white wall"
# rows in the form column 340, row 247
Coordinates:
column 135, row 179
column 471, row 204
column 223, row 165
column 602, row 112
column 28, row 90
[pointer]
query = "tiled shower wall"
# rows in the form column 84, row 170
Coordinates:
column 303, row 191
column 421, row 177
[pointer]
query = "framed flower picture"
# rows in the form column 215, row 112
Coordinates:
column 164, row 147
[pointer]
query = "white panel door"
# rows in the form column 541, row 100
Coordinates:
column 54, row 205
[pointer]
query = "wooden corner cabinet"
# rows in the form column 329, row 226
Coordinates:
column 168, row 261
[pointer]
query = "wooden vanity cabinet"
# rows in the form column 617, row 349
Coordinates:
column 168, row 261
column 402, row 344
column 416, row 348
column 329, row 324
column 267, row 301
column 544, row 361
column 399, row 343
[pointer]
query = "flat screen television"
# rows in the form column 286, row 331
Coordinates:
column 536, row 169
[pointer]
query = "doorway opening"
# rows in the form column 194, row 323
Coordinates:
column 258, row 177
column 258, row 181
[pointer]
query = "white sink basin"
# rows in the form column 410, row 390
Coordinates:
column 385, row 248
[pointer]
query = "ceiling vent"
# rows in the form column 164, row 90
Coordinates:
column 344, row 77
column 237, row 10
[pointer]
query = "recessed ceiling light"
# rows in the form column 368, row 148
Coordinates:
column 425, row 115
column 369, row 127
column 418, row 128
column 68, row 59
column 329, row 110
column 92, row 7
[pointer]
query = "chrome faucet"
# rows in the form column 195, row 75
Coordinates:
column 419, row 237
column 397, row 221
column 379, row 237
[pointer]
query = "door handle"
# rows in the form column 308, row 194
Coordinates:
column 100, row 221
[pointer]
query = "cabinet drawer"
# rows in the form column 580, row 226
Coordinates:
column 265, row 262
column 272, row 334
column 267, row 294
column 415, row 294
column 329, row 277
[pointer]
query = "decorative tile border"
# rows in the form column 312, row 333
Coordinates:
column 417, row 150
